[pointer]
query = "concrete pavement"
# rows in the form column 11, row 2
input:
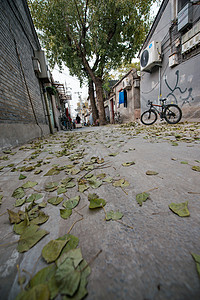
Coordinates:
column 146, row 257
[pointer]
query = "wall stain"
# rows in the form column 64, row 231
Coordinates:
column 185, row 100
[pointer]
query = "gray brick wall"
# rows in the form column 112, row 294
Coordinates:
column 15, row 105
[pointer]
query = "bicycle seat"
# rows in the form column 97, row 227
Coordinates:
column 163, row 99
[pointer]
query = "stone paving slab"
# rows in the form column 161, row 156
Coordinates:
column 146, row 257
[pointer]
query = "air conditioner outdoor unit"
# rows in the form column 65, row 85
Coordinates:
column 127, row 84
column 151, row 56
column 45, row 74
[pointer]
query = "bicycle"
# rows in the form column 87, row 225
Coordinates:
column 65, row 124
column 170, row 112
column 117, row 117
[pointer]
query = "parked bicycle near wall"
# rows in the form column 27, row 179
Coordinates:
column 170, row 112
column 117, row 118
column 65, row 124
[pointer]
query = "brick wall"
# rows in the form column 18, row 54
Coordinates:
column 16, row 29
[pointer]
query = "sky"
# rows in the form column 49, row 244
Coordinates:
column 72, row 83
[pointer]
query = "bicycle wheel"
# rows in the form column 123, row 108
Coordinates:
column 172, row 114
column 149, row 117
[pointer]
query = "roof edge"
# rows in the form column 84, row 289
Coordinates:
column 154, row 25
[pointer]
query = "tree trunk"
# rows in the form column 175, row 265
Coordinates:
column 92, row 101
column 99, row 91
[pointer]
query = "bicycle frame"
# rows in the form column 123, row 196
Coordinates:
column 155, row 108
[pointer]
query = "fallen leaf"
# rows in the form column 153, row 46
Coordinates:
column 142, row 197
column 38, row 292
column 61, row 190
column 180, row 209
column 20, row 202
column 151, row 172
column 40, row 219
column 31, row 236
column 68, row 278
column 29, row 184
column 18, row 193
column 108, row 179
column 72, row 202
column 196, row 257
column 52, row 250
column 55, row 200
column 128, row 164
column 51, row 186
column 34, row 197
column 113, row 154
column 111, row 215
column 65, row 213
column 196, row 168
column 15, row 217
column 51, row 172
column 21, row 177
column 96, row 203
column 82, row 187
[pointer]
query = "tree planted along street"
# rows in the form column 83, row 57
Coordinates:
column 91, row 37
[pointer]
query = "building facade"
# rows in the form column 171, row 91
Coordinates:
column 26, row 109
column 125, row 98
column 170, row 58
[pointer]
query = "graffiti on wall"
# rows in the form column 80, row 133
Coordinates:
column 186, row 95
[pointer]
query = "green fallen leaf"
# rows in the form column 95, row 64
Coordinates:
column 72, row 202
column 151, row 172
column 21, row 177
column 20, row 227
column 53, row 171
column 94, row 183
column 38, row 172
column 1, row 197
column 111, row 215
column 18, row 193
column 61, row 190
column 40, row 219
column 142, row 197
column 184, row 162
column 121, row 183
column 51, row 186
column 52, row 250
column 29, row 184
column 108, row 179
column 72, row 243
column 29, row 168
column 38, row 292
column 65, row 213
column 174, row 144
column 74, row 254
column 74, row 171
column 55, row 200
column 180, row 209
column 196, row 168
column 196, row 257
column 82, row 290
column 31, row 236
column 97, row 203
column 34, row 197
column 20, row 202
column 113, row 154
column 82, row 187
column 15, row 217
column 68, row 278
column 128, row 164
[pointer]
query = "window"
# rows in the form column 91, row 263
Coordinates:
column 182, row 3
column 123, row 98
